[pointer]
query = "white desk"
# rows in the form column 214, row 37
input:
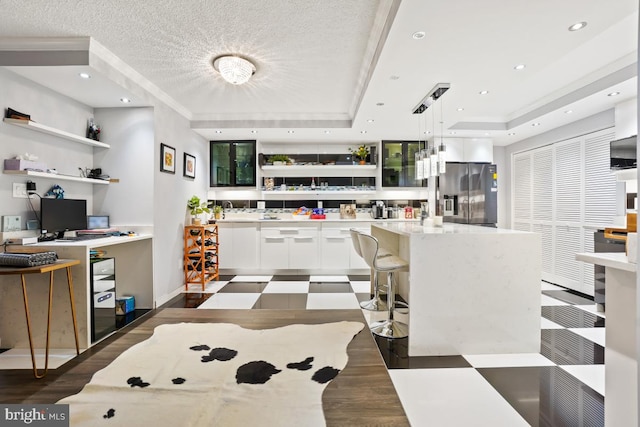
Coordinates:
column 620, row 353
column 134, row 273
column 470, row 289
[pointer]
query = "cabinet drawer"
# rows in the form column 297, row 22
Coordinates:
column 103, row 286
column 104, row 300
column 104, row 267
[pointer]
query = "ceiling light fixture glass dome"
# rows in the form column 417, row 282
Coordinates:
column 234, row 69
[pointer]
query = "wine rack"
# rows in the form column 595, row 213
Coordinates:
column 200, row 254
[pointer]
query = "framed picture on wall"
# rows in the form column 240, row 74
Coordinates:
column 167, row 158
column 189, row 169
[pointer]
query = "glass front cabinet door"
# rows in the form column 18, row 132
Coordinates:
column 398, row 163
column 233, row 163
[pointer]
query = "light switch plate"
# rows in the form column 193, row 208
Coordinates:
column 11, row 223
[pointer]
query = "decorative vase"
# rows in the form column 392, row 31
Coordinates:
column 195, row 221
column 362, row 162
column 217, row 215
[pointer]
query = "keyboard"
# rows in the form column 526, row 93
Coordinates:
column 82, row 237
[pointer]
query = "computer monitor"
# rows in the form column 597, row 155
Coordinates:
column 97, row 222
column 58, row 215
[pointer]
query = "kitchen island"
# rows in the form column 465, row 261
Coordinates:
column 620, row 353
column 470, row 289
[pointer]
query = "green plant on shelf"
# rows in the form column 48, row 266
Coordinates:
column 360, row 153
column 196, row 207
column 279, row 158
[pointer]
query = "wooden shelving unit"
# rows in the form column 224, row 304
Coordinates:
column 200, row 254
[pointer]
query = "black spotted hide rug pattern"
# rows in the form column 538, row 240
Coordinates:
column 218, row 374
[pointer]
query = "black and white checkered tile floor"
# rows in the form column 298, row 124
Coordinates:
column 563, row 385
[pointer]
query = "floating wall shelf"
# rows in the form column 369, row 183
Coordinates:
column 27, row 124
column 56, row 176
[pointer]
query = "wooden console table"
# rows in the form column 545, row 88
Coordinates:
column 48, row 268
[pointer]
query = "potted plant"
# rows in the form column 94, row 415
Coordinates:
column 217, row 211
column 279, row 159
column 196, row 207
column 360, row 153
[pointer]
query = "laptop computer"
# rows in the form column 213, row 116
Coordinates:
column 97, row 222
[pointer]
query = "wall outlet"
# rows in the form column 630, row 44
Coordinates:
column 11, row 223
column 20, row 190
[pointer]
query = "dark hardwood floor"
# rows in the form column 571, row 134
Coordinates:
column 362, row 394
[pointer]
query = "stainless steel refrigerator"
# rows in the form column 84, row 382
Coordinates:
column 468, row 193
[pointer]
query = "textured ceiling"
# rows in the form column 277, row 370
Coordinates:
column 325, row 66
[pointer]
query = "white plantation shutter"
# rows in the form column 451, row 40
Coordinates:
column 565, row 192
column 522, row 187
column 568, row 185
column 599, row 182
column 542, row 184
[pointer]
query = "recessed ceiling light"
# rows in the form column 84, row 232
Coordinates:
column 125, row 100
column 380, row 104
column 394, row 77
column 535, row 124
column 327, row 132
column 568, row 112
column 487, row 134
column 519, row 67
column 577, row 26
column 511, row 134
column 483, row 92
column 370, row 121
column 426, row 132
column 218, row 131
column 85, row 75
column 452, row 133
column 613, row 94
column 290, row 131
column 460, row 109
column 254, row 131
column 363, row 131
column 418, row 35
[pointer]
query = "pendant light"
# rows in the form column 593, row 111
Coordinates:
column 419, row 170
column 442, row 149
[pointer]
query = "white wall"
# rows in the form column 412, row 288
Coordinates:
column 51, row 109
column 626, row 119
column 130, row 133
column 171, row 192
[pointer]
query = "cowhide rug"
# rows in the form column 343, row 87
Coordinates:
column 218, row 374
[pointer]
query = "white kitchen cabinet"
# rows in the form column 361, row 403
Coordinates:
column 289, row 247
column 238, row 245
column 335, row 247
column 225, row 245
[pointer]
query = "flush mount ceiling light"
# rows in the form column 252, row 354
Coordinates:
column 418, row 35
column 234, row 69
column 577, row 26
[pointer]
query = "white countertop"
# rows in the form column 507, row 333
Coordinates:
column 93, row 243
column 608, row 259
column 412, row 228
column 308, row 221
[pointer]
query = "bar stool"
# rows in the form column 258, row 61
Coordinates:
column 390, row 264
column 376, row 303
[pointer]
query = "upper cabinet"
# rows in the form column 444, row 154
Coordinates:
column 233, row 163
column 469, row 150
column 398, row 163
